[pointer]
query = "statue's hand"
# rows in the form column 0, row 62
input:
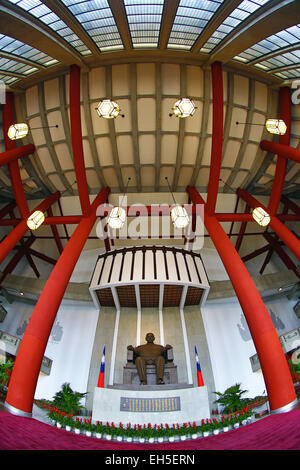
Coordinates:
column 130, row 347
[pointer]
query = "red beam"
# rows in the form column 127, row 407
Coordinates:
column 291, row 205
column 61, row 220
column 13, row 166
column 255, row 253
column 6, row 210
column 14, row 154
column 30, row 260
column 242, row 231
column 16, row 258
column 21, row 390
column 42, row 256
column 281, row 253
column 217, row 136
column 76, row 134
column 291, row 153
column 17, row 233
column 281, row 164
column 55, row 233
column 279, row 384
column 279, row 228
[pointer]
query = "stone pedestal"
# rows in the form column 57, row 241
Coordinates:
column 155, row 406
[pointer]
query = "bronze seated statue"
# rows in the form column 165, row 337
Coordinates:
column 151, row 354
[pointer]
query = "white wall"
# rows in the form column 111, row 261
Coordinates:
column 70, row 343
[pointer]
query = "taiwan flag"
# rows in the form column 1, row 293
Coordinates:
column 199, row 373
column 102, row 369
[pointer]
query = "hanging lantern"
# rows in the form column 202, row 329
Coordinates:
column 117, row 217
column 35, row 220
column 17, row 131
column 276, row 126
column 108, row 109
column 261, row 216
column 179, row 217
column 184, row 108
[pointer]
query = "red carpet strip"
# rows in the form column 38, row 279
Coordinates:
column 274, row 432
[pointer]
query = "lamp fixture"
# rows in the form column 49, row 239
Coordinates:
column 117, row 216
column 274, row 126
column 183, row 108
column 20, row 130
column 35, row 220
column 179, row 215
column 108, row 109
column 261, row 216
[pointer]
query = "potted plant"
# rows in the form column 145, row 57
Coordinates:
column 231, row 399
column 98, row 429
column 68, row 400
column 69, row 422
column 225, row 423
column 129, row 433
column 108, row 432
column 77, row 425
column 5, row 372
column 206, row 427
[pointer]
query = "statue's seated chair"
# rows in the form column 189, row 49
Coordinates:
column 131, row 377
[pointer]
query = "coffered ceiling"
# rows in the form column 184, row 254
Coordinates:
column 145, row 55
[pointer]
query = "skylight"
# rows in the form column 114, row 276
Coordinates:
column 191, row 18
column 44, row 14
column 144, row 18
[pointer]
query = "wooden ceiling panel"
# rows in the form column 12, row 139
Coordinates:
column 169, row 144
column 147, row 148
column 51, row 93
column 146, row 79
column 190, row 149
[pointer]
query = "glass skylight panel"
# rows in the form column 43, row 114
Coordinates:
column 239, row 14
column 191, row 18
column 96, row 18
column 44, row 14
column 144, row 18
column 18, row 48
column 277, row 41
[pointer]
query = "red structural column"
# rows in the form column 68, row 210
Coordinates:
column 217, row 136
column 76, row 133
column 282, row 231
column 17, row 233
column 281, row 165
column 13, row 166
column 26, row 370
column 280, row 388
column 15, row 154
column 285, row 151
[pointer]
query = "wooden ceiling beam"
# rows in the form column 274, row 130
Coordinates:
column 66, row 16
column 267, row 20
column 220, row 15
column 167, row 20
column 118, row 10
column 18, row 24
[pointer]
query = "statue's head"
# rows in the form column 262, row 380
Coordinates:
column 150, row 338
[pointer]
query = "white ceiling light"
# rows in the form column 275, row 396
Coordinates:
column 35, row 220
column 20, row 130
column 117, row 216
column 179, row 215
column 261, row 216
column 17, row 131
column 183, row 108
column 108, row 109
column 274, row 126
